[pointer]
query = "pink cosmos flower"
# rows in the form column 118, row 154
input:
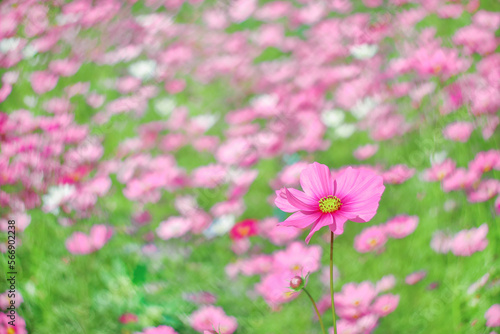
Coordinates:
column 493, row 316
column 415, row 277
column 370, row 239
column 257, row 265
column 353, row 195
column 398, row 174
column 173, row 227
column 487, row 189
column 468, row 242
column 278, row 235
column 441, row 242
column 298, row 258
column 440, row 170
column 365, row 152
column 458, row 131
column 209, row 176
column 386, row 283
column 354, row 300
column 6, row 328
column 485, row 161
column 126, row 318
column 460, row 178
column 213, row 318
column 478, row 284
column 275, row 289
column 42, row 82
column 81, row 243
column 401, row 226
column 385, row 304
column 5, row 300
column 244, row 229
column 159, row 330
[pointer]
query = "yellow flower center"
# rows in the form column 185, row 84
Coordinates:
column 329, row 204
column 11, row 330
column 244, row 230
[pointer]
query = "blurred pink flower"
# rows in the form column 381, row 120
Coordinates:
column 278, row 235
column 354, row 195
column 401, row 226
column 244, row 229
column 81, row 243
column 354, row 300
column 275, row 289
column 6, row 328
column 468, row 242
column 370, row 239
column 460, row 178
column 159, row 330
column 298, row 259
column 43, row 81
column 398, row 174
column 173, row 227
column 492, row 316
column 209, row 176
column 386, row 283
column 441, row 242
column 486, row 190
column 458, row 131
column 439, row 171
column 128, row 318
column 213, row 318
column 365, row 152
column 415, row 277
column 385, row 304
column 64, row 67
column 5, row 300
column 485, row 161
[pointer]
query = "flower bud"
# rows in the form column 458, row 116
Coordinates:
column 297, row 283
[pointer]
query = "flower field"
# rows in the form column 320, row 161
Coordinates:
column 249, row 166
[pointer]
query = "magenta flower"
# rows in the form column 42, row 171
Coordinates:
column 353, row 195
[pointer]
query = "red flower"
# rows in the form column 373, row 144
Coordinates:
column 244, row 229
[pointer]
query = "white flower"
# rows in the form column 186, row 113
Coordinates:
column 345, row 130
column 438, row 157
column 262, row 101
column 205, row 121
column 333, row 118
column 9, row 44
column 363, row 51
column 363, row 107
column 143, row 69
column 165, row 106
column 220, row 226
column 30, row 101
column 56, row 196
column 29, row 51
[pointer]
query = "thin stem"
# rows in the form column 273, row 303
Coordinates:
column 315, row 308
column 331, row 283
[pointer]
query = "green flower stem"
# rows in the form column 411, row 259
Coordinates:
column 331, row 283
column 316, row 309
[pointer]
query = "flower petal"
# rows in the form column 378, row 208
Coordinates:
column 282, row 203
column 301, row 200
column 338, row 227
column 325, row 220
column 301, row 220
column 316, row 181
column 359, row 191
